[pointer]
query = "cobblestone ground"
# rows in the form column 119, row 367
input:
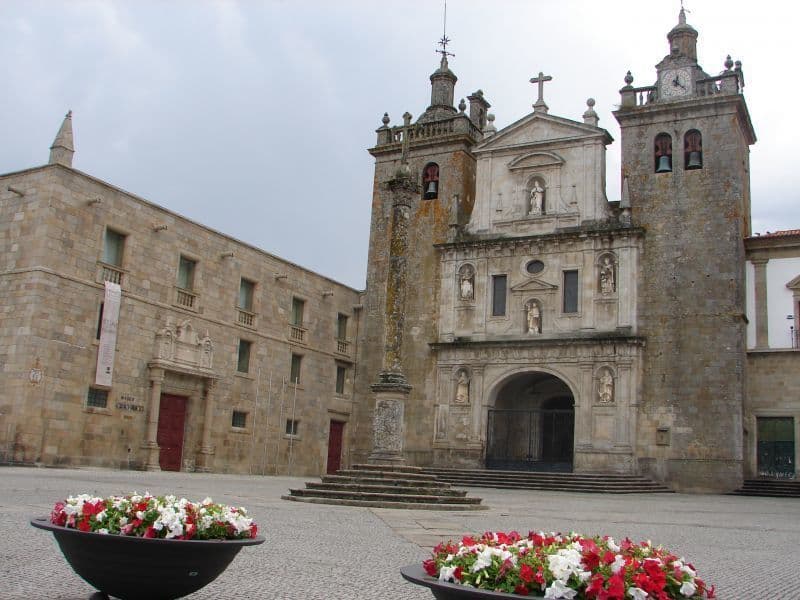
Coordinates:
column 746, row 546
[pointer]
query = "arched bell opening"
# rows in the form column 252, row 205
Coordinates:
column 532, row 425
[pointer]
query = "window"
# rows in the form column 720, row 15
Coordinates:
column 239, row 419
column 294, row 375
column 186, row 268
column 498, row 295
column 341, row 327
column 243, row 362
column 570, row 292
column 298, row 306
column 292, row 425
column 246, row 289
column 430, row 181
column 341, row 375
column 692, row 150
column 113, row 248
column 97, row 398
column 100, row 321
column 663, row 153
column 534, row 267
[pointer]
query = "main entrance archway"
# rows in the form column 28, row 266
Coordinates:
column 531, row 426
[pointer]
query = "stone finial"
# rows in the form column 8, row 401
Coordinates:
column 62, row 150
column 738, row 69
column 682, row 17
column 728, row 63
column 628, row 78
column 462, row 106
column 490, row 128
column 590, row 116
column 385, row 120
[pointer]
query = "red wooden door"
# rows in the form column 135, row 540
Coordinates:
column 335, row 446
column 171, row 418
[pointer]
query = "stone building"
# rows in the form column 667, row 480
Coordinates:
column 553, row 329
column 514, row 317
column 225, row 358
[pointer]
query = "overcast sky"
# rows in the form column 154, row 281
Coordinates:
column 254, row 117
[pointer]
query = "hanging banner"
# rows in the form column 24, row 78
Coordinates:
column 108, row 335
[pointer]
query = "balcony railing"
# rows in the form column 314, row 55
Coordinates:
column 297, row 334
column 342, row 346
column 186, row 299
column 246, row 318
column 111, row 273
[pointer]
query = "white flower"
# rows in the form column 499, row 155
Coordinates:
column 688, row 589
column 446, row 573
column 612, row 545
column 100, row 516
column 104, row 531
column 559, row 590
column 564, row 563
column 637, row 593
column 619, row 562
column 689, row 570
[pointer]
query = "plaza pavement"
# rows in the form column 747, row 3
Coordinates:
column 748, row 547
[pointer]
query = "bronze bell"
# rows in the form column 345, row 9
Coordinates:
column 431, row 191
column 695, row 160
column 664, row 164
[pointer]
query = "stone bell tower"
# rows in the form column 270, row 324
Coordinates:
column 685, row 167
column 424, row 190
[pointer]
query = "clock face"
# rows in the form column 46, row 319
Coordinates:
column 676, row 82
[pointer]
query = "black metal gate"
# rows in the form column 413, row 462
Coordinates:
column 776, row 447
column 530, row 440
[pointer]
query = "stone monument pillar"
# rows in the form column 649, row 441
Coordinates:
column 392, row 389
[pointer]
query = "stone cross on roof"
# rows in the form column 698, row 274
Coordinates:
column 540, row 104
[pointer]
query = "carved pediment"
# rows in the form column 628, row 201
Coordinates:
column 180, row 344
column 794, row 284
column 538, row 128
column 536, row 160
column 534, row 285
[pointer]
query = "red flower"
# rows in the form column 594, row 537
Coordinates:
column 84, row 525
column 521, row 590
column 526, row 573
column 150, row 532
column 595, row 586
column 458, row 573
column 58, row 516
column 253, row 529
column 430, row 567
column 468, row 541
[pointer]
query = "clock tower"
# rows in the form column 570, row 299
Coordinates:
column 685, row 176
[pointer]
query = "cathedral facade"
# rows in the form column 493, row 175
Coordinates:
column 552, row 329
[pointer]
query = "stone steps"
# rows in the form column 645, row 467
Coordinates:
column 567, row 482
column 769, row 487
column 380, row 486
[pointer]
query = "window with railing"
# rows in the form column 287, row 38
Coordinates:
column 342, row 345
column 297, row 332
column 184, row 286
column 113, row 252
column 246, row 316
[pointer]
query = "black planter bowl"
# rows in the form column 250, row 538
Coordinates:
column 452, row 591
column 134, row 568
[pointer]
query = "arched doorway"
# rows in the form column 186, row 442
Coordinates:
column 531, row 426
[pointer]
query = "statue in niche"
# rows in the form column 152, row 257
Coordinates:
column 533, row 318
column 467, row 283
column 462, row 387
column 605, row 388
column 536, row 198
column 608, row 283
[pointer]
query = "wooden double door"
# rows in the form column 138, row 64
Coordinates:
column 171, row 426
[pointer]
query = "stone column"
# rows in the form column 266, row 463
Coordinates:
column 151, row 443
column 392, row 389
column 206, row 454
column 760, row 284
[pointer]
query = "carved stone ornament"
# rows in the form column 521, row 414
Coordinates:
column 462, row 387
column 536, row 199
column 466, row 283
column 533, row 318
column 605, row 387
column 607, row 281
column 180, row 344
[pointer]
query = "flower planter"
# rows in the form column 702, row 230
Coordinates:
column 452, row 591
column 133, row 567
